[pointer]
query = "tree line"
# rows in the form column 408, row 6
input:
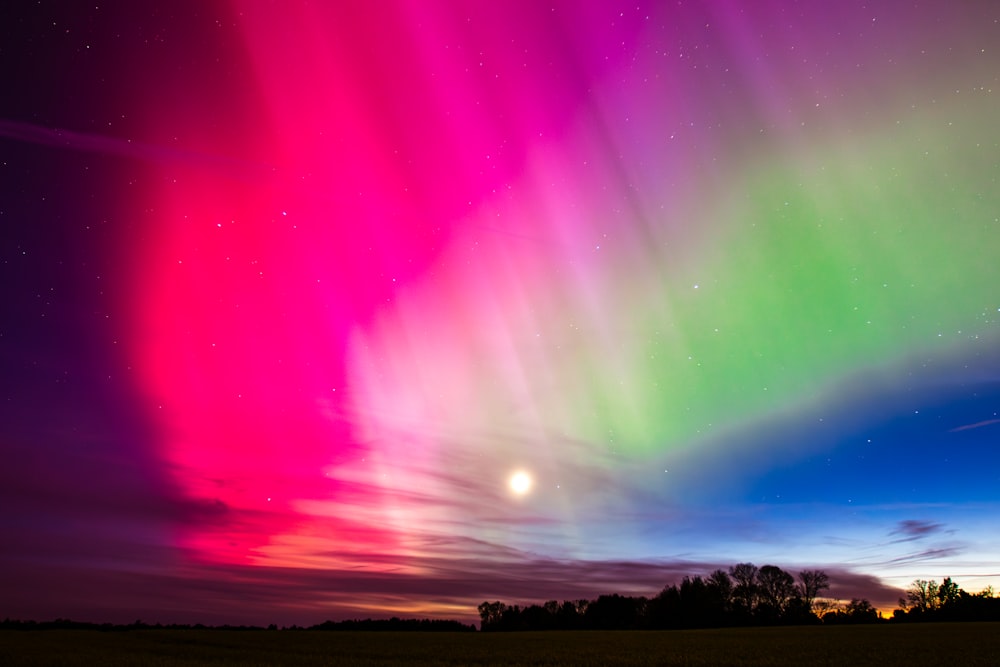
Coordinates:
column 930, row 601
column 740, row 596
column 393, row 624
column 743, row 595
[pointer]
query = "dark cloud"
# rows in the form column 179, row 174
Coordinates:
column 197, row 592
column 913, row 528
column 926, row 555
column 169, row 585
column 847, row 585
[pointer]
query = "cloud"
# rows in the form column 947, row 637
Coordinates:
column 915, row 529
column 847, row 585
column 967, row 427
column 188, row 592
column 925, row 555
column 171, row 585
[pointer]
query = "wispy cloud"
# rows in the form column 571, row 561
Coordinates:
column 969, row 427
column 914, row 529
column 924, row 555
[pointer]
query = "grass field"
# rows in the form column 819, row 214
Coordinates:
column 965, row 644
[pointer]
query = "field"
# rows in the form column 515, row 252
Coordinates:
column 966, row 644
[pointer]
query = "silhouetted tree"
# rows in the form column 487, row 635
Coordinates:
column 720, row 593
column 536, row 617
column 490, row 614
column 746, row 594
column 982, row 606
column 616, row 612
column 664, row 610
column 797, row 612
column 811, row 584
column 952, row 604
column 696, row 603
column 722, row 586
column 568, row 616
column 776, row 588
column 510, row 619
column 948, row 592
column 860, row 610
column 922, row 595
column 824, row 606
column 745, row 589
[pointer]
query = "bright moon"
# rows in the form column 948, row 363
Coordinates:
column 520, row 483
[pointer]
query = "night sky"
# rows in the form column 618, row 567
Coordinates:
column 330, row 310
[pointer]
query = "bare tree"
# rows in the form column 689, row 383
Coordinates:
column 922, row 595
column 745, row 591
column 776, row 588
column 811, row 583
column 824, row 606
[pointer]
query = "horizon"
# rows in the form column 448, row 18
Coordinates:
column 833, row 595
column 313, row 311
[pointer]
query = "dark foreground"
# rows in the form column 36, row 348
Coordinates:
column 966, row 644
